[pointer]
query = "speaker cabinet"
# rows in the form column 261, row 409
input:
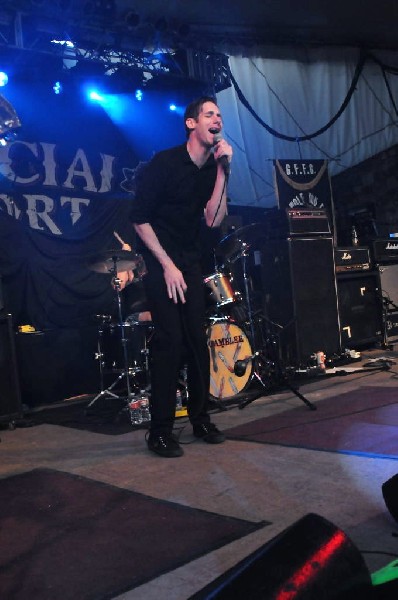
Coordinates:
column 360, row 308
column 300, row 298
column 10, row 397
column 57, row 364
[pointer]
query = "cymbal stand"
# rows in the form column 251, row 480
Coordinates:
column 256, row 356
column 245, row 249
column 274, row 368
column 125, row 373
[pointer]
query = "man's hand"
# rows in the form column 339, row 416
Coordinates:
column 176, row 286
column 124, row 277
column 222, row 148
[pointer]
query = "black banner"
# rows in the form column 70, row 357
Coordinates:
column 303, row 184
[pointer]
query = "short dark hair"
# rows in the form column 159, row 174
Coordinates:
column 193, row 109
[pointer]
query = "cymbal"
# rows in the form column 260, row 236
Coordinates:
column 240, row 240
column 123, row 260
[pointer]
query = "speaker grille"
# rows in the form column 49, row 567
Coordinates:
column 360, row 309
column 300, row 298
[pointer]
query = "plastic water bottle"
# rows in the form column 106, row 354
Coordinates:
column 135, row 411
column 145, row 412
column 178, row 400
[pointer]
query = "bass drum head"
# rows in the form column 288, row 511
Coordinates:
column 227, row 343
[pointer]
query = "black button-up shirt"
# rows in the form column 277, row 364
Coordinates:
column 171, row 196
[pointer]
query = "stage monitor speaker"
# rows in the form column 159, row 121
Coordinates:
column 390, row 494
column 300, row 298
column 312, row 559
column 10, row 397
column 360, row 308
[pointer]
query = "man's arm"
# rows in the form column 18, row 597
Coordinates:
column 173, row 277
column 216, row 207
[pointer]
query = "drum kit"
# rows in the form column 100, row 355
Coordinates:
column 242, row 345
column 234, row 329
column 122, row 347
column 238, row 339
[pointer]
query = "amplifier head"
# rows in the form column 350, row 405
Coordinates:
column 385, row 251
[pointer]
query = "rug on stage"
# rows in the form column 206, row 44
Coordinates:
column 364, row 421
column 107, row 415
column 68, row 537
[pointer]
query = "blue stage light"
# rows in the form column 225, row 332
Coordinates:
column 139, row 94
column 172, row 107
column 57, row 87
column 3, row 78
column 95, row 96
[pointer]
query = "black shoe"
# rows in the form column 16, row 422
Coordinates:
column 209, row 433
column 165, row 445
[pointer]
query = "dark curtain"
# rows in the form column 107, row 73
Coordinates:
column 65, row 188
column 66, row 184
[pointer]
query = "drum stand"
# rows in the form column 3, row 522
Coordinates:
column 258, row 358
column 125, row 373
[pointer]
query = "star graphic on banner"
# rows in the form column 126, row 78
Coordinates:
column 129, row 183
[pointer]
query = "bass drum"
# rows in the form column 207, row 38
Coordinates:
column 227, row 343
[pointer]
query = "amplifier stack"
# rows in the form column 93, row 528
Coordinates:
column 359, row 294
column 299, row 285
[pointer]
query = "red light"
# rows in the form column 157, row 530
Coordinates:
column 310, row 568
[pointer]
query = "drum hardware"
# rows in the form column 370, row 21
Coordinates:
column 272, row 364
column 230, row 349
column 220, row 289
column 236, row 246
column 112, row 262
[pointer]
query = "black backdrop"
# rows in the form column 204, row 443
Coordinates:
column 66, row 183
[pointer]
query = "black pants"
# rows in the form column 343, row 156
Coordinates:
column 179, row 335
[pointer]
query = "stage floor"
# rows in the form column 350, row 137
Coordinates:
column 243, row 479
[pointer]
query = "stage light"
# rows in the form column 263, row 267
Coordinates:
column 95, row 96
column 3, row 78
column 177, row 109
column 58, row 88
column 139, row 94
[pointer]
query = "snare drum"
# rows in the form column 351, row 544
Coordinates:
column 111, row 346
column 227, row 343
column 220, row 289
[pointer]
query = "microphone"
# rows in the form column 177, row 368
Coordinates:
column 223, row 159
